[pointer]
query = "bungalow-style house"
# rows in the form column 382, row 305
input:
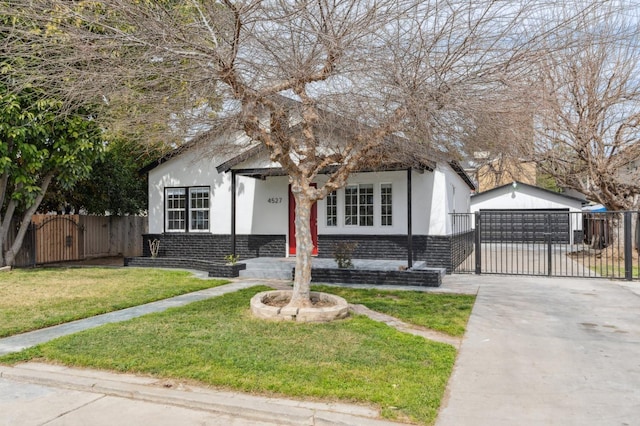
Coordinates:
column 204, row 207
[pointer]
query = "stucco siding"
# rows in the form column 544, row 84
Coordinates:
column 398, row 181
column 188, row 169
column 450, row 195
column 262, row 206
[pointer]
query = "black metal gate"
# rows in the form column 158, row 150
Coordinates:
column 554, row 243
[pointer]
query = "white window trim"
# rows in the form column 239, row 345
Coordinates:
column 357, row 206
column 192, row 209
column 391, row 205
column 333, row 194
column 187, row 210
column 167, row 210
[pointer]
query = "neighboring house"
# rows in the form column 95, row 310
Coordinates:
column 518, row 211
column 502, row 171
column 205, row 208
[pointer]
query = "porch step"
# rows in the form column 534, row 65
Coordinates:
column 365, row 271
column 268, row 268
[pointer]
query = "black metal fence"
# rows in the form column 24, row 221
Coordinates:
column 553, row 243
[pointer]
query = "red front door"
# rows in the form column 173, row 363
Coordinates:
column 292, row 224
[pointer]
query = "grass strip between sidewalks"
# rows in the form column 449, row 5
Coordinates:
column 217, row 342
column 31, row 299
column 447, row 313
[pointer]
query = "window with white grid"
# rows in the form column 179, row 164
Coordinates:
column 199, row 209
column 358, row 205
column 176, row 209
column 187, row 209
column 386, row 210
column 332, row 209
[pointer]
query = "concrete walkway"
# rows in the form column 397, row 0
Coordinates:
column 407, row 328
column 545, row 351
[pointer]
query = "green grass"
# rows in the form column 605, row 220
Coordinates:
column 442, row 312
column 37, row 298
column 217, row 342
column 614, row 271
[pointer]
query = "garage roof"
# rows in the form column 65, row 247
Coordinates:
column 497, row 190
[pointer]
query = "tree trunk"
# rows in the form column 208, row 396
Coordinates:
column 10, row 255
column 4, row 230
column 301, row 296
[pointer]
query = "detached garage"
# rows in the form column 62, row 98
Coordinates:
column 519, row 212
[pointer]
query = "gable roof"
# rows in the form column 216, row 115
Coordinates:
column 205, row 137
column 457, row 167
column 498, row 189
column 413, row 162
column 395, row 152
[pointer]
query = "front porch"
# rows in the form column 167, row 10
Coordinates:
column 364, row 271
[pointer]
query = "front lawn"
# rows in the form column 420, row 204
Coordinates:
column 447, row 313
column 36, row 298
column 217, row 342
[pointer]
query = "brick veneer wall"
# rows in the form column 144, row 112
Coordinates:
column 438, row 251
column 417, row 277
column 374, row 246
column 461, row 247
column 214, row 269
column 448, row 251
column 215, row 247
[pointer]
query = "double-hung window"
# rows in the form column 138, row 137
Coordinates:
column 386, row 212
column 176, row 212
column 187, row 209
column 199, row 209
column 332, row 209
column 358, row 205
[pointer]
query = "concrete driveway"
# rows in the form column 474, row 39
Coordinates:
column 547, row 351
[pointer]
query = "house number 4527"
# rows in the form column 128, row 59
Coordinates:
column 274, row 200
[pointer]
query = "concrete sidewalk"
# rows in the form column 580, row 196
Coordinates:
column 38, row 394
column 547, row 351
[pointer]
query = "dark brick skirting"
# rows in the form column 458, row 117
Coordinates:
column 374, row 246
column 414, row 277
column 461, row 247
column 438, row 251
column 212, row 247
column 448, row 251
column 215, row 269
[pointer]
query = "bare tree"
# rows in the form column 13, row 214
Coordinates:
column 399, row 70
column 498, row 141
column 589, row 108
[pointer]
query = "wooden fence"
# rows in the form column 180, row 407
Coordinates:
column 59, row 238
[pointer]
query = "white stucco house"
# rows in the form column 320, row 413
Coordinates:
column 203, row 207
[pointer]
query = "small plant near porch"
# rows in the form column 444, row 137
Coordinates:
column 232, row 259
column 343, row 254
column 154, row 247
